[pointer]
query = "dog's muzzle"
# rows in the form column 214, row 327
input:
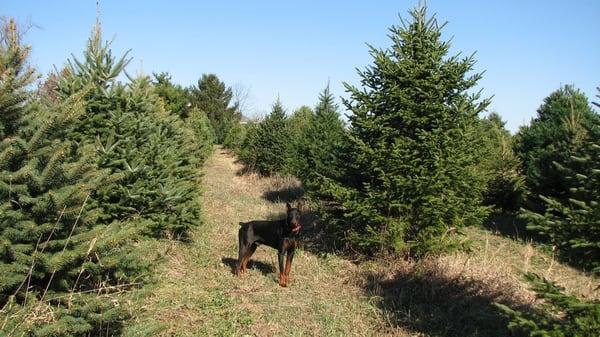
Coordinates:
column 296, row 228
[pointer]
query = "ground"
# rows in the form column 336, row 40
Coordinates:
column 196, row 293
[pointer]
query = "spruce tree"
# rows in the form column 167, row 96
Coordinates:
column 272, row 145
column 214, row 98
column 571, row 222
column 174, row 96
column 149, row 153
column 297, row 129
column 52, row 249
column 506, row 184
column 411, row 179
column 546, row 140
column 321, row 143
column 560, row 315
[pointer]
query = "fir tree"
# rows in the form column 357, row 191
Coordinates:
column 272, row 145
column 412, row 177
column 571, row 222
column 213, row 98
column 174, row 96
column 149, row 153
column 506, row 184
column 322, row 143
column 298, row 124
column 51, row 246
column 561, row 316
column 546, row 140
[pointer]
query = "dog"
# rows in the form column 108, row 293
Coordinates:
column 279, row 234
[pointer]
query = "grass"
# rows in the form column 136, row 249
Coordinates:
column 196, row 294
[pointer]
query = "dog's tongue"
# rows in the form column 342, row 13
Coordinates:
column 296, row 228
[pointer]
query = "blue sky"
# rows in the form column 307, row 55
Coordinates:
column 292, row 49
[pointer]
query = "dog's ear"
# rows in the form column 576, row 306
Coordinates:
column 287, row 204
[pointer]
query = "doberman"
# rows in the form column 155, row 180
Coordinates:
column 279, row 234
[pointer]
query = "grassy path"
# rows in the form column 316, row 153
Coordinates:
column 198, row 295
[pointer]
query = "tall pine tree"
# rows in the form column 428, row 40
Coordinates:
column 571, row 221
column 321, row 143
column 413, row 146
column 215, row 99
column 52, row 249
column 272, row 145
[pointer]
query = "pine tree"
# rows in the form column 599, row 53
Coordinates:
column 571, row 222
column 248, row 150
column 174, row 96
column 213, row 98
column 149, row 153
column 319, row 145
column 51, row 246
column 298, row 124
column 272, row 145
column 561, row 316
column 413, row 148
column 506, row 184
column 203, row 132
column 546, row 140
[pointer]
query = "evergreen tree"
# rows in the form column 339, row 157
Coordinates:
column 298, row 124
column 322, row 143
column 560, row 316
column 51, row 246
column 272, row 145
column 213, row 98
column 572, row 221
column 149, row 153
column 174, row 96
column 506, row 185
column 546, row 140
column 248, row 150
column 412, row 177
column 203, row 132
column 235, row 137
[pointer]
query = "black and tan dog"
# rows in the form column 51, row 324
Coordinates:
column 279, row 234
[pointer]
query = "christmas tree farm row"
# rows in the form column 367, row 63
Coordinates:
column 92, row 169
column 417, row 163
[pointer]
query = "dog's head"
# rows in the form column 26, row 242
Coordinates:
column 293, row 218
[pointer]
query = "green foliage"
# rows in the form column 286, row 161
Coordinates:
column 412, row 176
column 298, row 124
column 506, row 185
column 173, row 95
column 235, row 137
column 560, row 315
column 204, row 135
column 547, row 140
column 149, row 153
column 571, row 222
column 271, row 144
column 323, row 142
column 214, row 98
column 248, row 150
column 54, row 256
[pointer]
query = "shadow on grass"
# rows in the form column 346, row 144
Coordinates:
column 285, row 194
column 424, row 299
column 264, row 268
column 508, row 225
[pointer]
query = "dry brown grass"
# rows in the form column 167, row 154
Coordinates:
column 452, row 295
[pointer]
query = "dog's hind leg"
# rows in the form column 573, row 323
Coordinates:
column 242, row 253
column 247, row 256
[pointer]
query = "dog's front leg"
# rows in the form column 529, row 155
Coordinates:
column 282, row 278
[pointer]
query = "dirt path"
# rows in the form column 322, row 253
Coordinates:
column 197, row 294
